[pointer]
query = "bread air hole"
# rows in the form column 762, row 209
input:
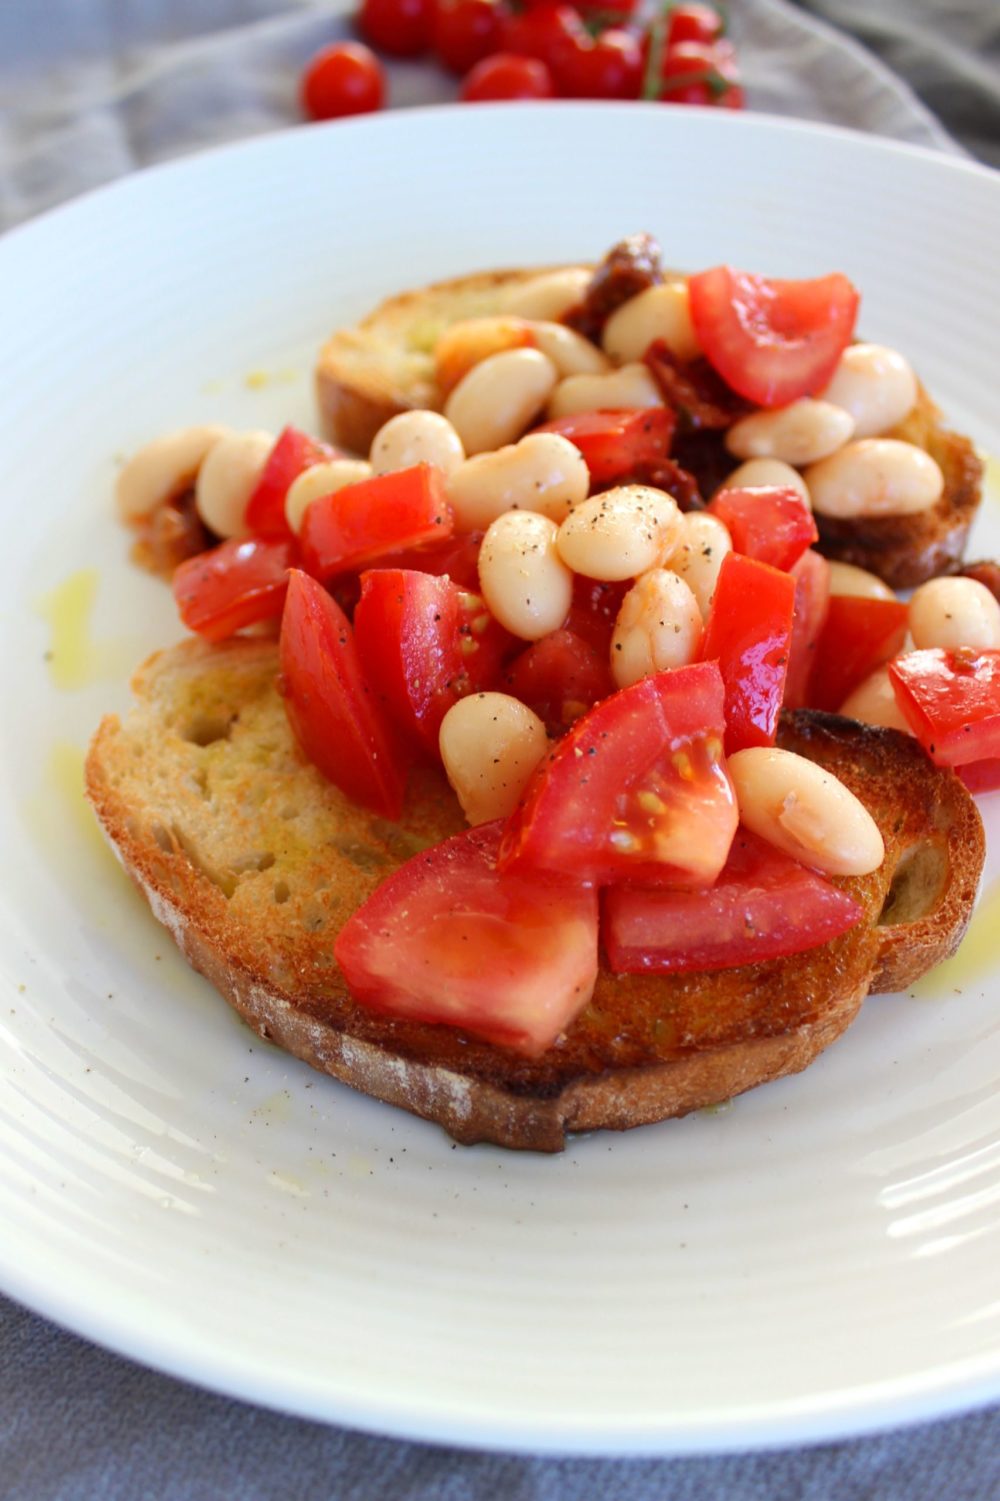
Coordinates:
column 918, row 884
column 206, row 729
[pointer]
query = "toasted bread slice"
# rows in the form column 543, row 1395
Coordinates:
column 385, row 365
column 253, row 861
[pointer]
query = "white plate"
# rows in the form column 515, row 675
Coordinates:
column 819, row 1258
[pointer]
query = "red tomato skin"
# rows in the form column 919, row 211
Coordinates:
column 293, row 452
column 239, row 583
column 550, row 31
column 773, row 525
column 582, row 813
column 376, row 517
column 981, row 776
column 504, row 76
column 772, row 341
column 560, row 677
column 457, row 556
column 605, row 67
column 330, row 709
column 446, row 938
column 693, row 23
column 400, row 27
column 748, row 634
column 763, row 906
column 858, row 636
column 594, row 610
column 466, row 31
column 812, row 595
column 346, row 79
column 951, row 700
column 616, row 443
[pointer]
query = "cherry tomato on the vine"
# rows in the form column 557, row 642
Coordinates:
column 402, row 28
column 694, row 23
column 346, row 79
column 701, row 73
column 466, row 31
column 551, row 31
column 507, row 76
column 608, row 67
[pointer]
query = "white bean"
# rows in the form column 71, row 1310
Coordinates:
column 569, row 351
column 416, row 438
column 228, row 478
column 163, row 468
column 544, row 472
column 549, row 295
column 876, row 385
column 631, row 386
column 661, row 312
column 658, row 626
column 319, row 480
column 874, row 702
column 953, row 612
column 756, row 472
column 702, row 543
column 805, row 811
column 490, row 744
column 845, row 578
column 800, row 433
column 875, row 477
column 523, row 580
column 620, row 533
column 497, row 400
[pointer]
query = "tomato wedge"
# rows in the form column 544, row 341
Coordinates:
column 859, row 635
column 364, row 522
column 812, row 593
column 238, row 583
column 764, row 905
column 456, row 556
column 616, row 443
column 293, row 452
column 637, row 790
column 951, row 700
column 423, row 644
column 560, row 677
column 594, row 610
column 749, row 634
column 446, row 938
column 772, row 341
column 328, row 703
column 770, row 523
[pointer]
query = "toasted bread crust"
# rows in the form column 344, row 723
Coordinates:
column 253, row 861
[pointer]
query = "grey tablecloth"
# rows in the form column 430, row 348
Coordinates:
column 90, row 89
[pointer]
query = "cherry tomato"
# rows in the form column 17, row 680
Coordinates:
column 763, row 906
column 510, row 958
column 364, row 522
column 329, row 706
column 616, row 443
column 812, row 592
column 772, row 341
column 748, row 634
column 858, row 636
column 466, row 31
column 400, row 27
column 772, row 524
column 636, row 791
column 951, row 700
column 293, row 452
column 560, row 677
column 236, row 584
column 608, row 66
column 506, row 76
column 423, row 644
column 551, row 31
column 693, row 23
column 346, row 79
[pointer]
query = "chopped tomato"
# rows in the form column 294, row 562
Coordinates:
column 764, row 905
column 594, row 610
column 293, row 452
column 749, row 634
column 329, row 706
column 457, row 556
column 510, row 958
column 364, row 522
column 560, row 677
column 951, row 700
column 616, row 443
column 812, row 593
column 770, row 523
column 858, row 636
column 238, row 583
column 637, row 790
column 423, row 644
column 981, row 776
column 772, row 341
